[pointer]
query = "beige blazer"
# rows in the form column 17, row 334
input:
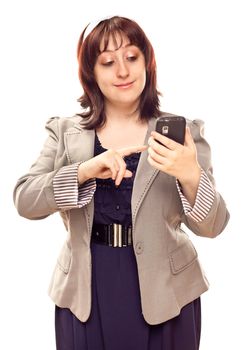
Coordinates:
column 170, row 275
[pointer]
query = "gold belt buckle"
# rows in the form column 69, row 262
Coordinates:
column 117, row 235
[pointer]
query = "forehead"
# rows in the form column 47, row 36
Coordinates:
column 113, row 42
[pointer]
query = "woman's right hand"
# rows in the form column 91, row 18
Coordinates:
column 109, row 164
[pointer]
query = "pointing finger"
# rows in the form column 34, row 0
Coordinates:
column 130, row 150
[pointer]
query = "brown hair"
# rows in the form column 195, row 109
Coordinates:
column 88, row 50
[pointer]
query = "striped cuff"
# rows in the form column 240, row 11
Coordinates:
column 203, row 202
column 67, row 192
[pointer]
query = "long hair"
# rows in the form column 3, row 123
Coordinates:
column 88, row 50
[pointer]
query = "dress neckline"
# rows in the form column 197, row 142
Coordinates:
column 99, row 144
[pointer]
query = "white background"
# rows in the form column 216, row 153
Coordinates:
column 201, row 50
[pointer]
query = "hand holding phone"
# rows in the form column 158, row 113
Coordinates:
column 172, row 158
column 172, row 127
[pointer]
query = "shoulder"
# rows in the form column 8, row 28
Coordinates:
column 196, row 126
column 190, row 122
column 60, row 125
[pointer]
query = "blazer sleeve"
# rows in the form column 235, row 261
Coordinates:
column 217, row 217
column 34, row 194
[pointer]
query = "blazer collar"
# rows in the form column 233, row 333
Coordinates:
column 79, row 144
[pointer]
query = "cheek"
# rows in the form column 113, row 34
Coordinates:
column 143, row 78
column 99, row 76
column 100, row 80
column 102, row 88
column 142, row 72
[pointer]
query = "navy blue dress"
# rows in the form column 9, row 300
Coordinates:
column 116, row 321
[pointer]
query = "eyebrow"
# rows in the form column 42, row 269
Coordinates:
column 118, row 48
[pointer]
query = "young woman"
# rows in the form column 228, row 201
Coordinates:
column 128, row 277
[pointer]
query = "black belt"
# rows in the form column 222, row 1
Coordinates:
column 114, row 235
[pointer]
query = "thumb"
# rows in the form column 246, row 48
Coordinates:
column 128, row 173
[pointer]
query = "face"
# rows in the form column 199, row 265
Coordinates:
column 120, row 73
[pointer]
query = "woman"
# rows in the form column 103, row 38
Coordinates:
column 128, row 277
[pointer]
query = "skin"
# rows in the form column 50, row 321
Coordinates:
column 177, row 160
column 121, row 76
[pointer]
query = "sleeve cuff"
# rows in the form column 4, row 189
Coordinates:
column 67, row 192
column 203, row 202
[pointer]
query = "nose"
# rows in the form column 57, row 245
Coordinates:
column 122, row 69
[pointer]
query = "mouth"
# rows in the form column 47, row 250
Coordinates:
column 124, row 85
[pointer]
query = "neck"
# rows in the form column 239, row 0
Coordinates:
column 121, row 113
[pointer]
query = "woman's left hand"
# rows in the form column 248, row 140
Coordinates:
column 175, row 159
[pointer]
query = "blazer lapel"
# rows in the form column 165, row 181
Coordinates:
column 79, row 144
column 144, row 177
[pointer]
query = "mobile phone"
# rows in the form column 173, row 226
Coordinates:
column 172, row 127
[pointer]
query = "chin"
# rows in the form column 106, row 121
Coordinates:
column 127, row 102
column 128, row 99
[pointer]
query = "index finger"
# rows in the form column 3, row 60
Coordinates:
column 133, row 149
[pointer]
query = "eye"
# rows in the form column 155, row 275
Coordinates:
column 108, row 63
column 131, row 58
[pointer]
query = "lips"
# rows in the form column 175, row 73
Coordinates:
column 124, row 85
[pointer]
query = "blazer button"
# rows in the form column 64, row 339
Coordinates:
column 139, row 248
